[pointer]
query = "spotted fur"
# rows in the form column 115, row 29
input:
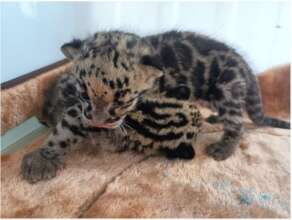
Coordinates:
column 114, row 70
column 206, row 68
column 78, row 106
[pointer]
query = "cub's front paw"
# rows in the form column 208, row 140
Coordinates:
column 35, row 167
column 220, row 150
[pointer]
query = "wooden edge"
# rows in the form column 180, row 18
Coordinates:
column 25, row 77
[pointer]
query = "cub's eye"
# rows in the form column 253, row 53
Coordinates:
column 120, row 107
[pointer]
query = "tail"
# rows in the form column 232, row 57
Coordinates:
column 254, row 107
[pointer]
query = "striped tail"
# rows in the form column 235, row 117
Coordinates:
column 255, row 109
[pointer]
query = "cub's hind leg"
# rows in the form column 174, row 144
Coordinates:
column 230, row 113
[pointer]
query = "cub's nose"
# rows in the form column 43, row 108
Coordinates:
column 100, row 105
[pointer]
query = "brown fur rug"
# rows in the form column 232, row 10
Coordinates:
column 275, row 88
column 25, row 100
column 254, row 182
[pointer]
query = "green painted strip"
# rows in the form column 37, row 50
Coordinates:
column 21, row 135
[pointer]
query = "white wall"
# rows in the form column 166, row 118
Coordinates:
column 259, row 30
column 33, row 32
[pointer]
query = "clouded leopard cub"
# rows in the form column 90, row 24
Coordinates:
column 81, row 106
column 208, row 69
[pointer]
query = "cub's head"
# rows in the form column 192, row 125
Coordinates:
column 113, row 79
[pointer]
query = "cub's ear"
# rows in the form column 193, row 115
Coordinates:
column 151, row 67
column 153, row 61
column 72, row 50
column 147, row 76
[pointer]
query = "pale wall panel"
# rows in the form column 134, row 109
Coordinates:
column 33, row 32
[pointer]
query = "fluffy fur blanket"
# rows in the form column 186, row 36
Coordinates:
column 254, row 182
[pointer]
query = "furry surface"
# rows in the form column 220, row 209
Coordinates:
column 254, row 182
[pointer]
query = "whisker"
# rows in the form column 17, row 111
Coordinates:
column 127, row 125
column 139, row 101
column 123, row 129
